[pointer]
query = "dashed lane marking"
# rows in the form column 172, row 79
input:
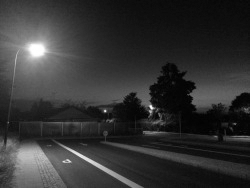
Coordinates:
column 67, row 161
column 101, row 167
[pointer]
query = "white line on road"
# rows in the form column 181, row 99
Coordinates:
column 101, row 167
column 84, row 144
column 150, row 146
column 239, row 155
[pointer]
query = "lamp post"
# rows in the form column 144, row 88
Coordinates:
column 35, row 50
column 106, row 112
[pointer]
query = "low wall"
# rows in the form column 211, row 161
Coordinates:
column 69, row 129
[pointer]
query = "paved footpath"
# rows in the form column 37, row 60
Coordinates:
column 33, row 168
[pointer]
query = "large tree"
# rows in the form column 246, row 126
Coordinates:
column 130, row 109
column 240, row 109
column 217, row 112
column 241, row 103
column 171, row 93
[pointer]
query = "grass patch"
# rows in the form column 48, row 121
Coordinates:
column 8, row 158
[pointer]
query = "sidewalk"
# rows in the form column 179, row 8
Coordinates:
column 33, row 168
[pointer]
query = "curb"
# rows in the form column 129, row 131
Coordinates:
column 237, row 148
column 224, row 167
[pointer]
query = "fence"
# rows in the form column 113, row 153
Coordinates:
column 75, row 129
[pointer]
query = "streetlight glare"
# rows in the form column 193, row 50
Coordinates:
column 36, row 50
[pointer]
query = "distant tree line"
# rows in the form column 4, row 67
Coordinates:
column 171, row 106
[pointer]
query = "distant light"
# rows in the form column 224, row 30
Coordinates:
column 105, row 111
column 151, row 107
column 37, row 50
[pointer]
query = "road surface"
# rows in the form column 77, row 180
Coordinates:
column 88, row 163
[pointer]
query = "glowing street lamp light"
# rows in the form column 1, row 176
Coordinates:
column 106, row 111
column 35, row 50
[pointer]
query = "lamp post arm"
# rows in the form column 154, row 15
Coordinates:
column 10, row 102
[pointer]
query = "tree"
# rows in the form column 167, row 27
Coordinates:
column 130, row 109
column 94, row 112
column 241, row 104
column 42, row 110
column 119, row 112
column 240, row 109
column 171, row 93
column 217, row 113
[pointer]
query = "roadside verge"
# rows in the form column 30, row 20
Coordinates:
column 219, row 166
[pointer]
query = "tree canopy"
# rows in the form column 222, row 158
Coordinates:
column 172, row 92
column 217, row 112
column 241, row 103
column 130, row 109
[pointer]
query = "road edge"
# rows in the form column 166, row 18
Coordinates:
column 232, row 169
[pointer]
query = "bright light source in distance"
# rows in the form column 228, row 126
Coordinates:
column 105, row 111
column 37, row 50
column 151, row 107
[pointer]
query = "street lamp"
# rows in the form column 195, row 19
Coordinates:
column 35, row 50
column 106, row 112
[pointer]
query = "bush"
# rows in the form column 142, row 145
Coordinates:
column 8, row 160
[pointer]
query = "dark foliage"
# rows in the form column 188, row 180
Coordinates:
column 217, row 112
column 171, row 93
column 130, row 109
column 241, row 103
column 94, row 112
column 41, row 110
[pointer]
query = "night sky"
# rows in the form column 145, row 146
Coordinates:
column 101, row 50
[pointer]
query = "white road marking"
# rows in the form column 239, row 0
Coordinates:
column 49, row 145
column 239, row 155
column 84, row 144
column 67, row 161
column 150, row 146
column 101, row 167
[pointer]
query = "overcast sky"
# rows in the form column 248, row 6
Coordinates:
column 101, row 50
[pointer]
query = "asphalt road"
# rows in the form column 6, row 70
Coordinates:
column 93, row 164
column 225, row 154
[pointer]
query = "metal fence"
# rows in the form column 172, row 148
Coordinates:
column 72, row 129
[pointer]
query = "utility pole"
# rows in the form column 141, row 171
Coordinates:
column 180, row 122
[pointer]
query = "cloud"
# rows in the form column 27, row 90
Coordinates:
column 243, row 76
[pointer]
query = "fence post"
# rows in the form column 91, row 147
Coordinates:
column 41, row 126
column 81, row 130
column 62, row 128
column 114, row 128
column 98, row 129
